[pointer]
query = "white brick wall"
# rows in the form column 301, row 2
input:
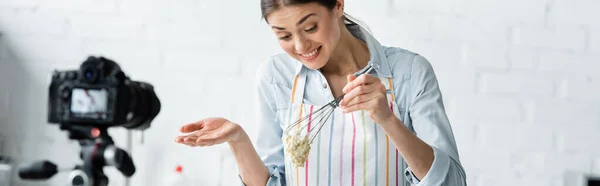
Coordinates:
column 520, row 78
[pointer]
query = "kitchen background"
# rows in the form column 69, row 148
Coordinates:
column 520, row 79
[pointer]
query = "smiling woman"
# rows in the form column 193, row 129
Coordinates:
column 391, row 127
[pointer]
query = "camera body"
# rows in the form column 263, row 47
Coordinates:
column 99, row 94
column 85, row 103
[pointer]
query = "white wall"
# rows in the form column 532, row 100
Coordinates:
column 520, row 78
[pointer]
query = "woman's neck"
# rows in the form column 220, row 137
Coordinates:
column 349, row 56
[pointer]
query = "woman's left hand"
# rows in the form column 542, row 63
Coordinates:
column 367, row 93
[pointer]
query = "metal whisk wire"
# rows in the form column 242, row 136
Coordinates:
column 321, row 116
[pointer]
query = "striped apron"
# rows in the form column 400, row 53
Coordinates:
column 351, row 149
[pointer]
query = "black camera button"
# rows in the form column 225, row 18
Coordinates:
column 72, row 75
column 65, row 93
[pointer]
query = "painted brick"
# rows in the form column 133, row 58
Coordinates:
column 80, row 6
column 174, row 34
column 572, row 39
column 596, row 166
column 583, row 87
column 559, row 112
column 487, row 57
column 493, row 135
column 19, row 4
column 487, row 108
column 409, row 26
column 523, row 58
column 576, row 139
column 567, row 63
column 201, row 62
column 469, row 30
column 594, row 42
column 110, row 26
column 449, row 6
column 511, row 11
column 539, row 163
column 574, row 12
column 518, row 84
column 28, row 22
column 38, row 49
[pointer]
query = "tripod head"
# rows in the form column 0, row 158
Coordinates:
column 97, row 151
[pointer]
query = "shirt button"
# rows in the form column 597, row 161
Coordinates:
column 324, row 85
column 376, row 66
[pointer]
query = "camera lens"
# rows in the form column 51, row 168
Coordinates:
column 90, row 74
column 78, row 180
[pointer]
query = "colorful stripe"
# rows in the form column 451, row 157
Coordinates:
column 330, row 139
column 387, row 160
column 396, row 167
column 308, row 132
column 376, row 154
column 387, row 145
column 342, row 151
column 391, row 88
column 392, row 109
column 353, row 145
column 294, row 88
column 364, row 149
column 318, row 156
column 299, row 117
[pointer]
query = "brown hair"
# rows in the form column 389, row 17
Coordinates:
column 268, row 6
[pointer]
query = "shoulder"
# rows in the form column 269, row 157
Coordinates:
column 407, row 63
column 278, row 69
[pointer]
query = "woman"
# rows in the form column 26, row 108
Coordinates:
column 391, row 128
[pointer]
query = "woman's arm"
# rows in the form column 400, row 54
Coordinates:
column 215, row 130
column 417, row 154
column 261, row 163
column 251, row 168
column 431, row 152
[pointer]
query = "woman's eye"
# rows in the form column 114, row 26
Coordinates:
column 312, row 29
column 285, row 37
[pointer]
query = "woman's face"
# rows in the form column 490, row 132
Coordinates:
column 308, row 33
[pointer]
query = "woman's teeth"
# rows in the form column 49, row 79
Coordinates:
column 310, row 54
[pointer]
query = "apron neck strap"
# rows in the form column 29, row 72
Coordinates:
column 298, row 86
column 389, row 87
column 300, row 82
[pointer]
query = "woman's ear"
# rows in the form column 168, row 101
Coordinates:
column 339, row 8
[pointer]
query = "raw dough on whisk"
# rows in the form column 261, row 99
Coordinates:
column 297, row 148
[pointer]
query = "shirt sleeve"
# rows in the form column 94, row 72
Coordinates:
column 431, row 125
column 268, row 142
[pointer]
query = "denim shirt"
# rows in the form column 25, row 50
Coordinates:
column 418, row 96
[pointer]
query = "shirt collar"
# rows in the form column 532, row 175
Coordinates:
column 378, row 59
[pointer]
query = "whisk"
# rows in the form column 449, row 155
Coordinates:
column 298, row 146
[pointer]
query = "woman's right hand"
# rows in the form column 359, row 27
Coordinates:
column 209, row 131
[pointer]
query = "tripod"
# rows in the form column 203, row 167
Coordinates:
column 97, row 150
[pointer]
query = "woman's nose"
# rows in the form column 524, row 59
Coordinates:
column 302, row 44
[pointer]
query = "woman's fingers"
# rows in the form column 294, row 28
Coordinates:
column 192, row 127
column 200, row 138
column 360, row 101
column 358, row 81
column 209, row 131
column 186, row 140
column 354, row 95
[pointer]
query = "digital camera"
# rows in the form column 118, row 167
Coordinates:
column 99, row 94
